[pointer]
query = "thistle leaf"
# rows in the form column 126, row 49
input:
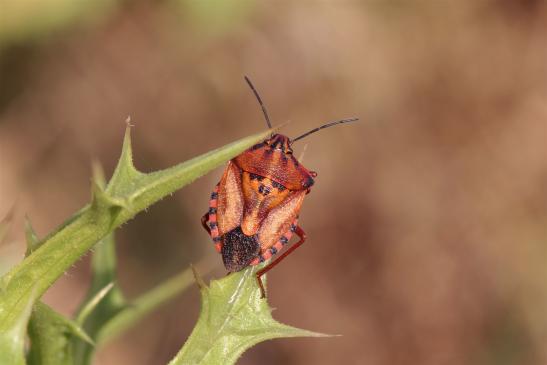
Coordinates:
column 125, row 170
column 233, row 318
column 13, row 331
column 50, row 334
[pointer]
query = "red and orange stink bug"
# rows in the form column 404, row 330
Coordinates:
column 253, row 211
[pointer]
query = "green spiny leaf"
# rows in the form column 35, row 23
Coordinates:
column 102, row 200
column 50, row 334
column 233, row 318
column 127, row 193
column 13, row 332
column 125, row 170
column 78, row 332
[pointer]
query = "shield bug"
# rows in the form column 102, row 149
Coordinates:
column 253, row 210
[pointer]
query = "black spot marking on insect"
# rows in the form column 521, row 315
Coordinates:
column 214, row 195
column 217, row 239
column 212, row 224
column 293, row 228
column 273, row 250
column 309, row 182
column 278, row 186
column 212, row 210
column 284, row 240
column 256, row 177
column 238, row 249
column 264, row 190
column 275, row 144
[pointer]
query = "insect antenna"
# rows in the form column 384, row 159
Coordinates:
column 259, row 101
column 324, row 126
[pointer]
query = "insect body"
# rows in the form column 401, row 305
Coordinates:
column 253, row 211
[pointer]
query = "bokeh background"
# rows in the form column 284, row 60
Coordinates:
column 427, row 226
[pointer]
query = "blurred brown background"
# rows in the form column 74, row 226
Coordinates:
column 427, row 226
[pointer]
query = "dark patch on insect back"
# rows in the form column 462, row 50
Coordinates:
column 264, row 190
column 278, row 186
column 308, row 182
column 275, row 144
column 256, row 177
column 238, row 249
